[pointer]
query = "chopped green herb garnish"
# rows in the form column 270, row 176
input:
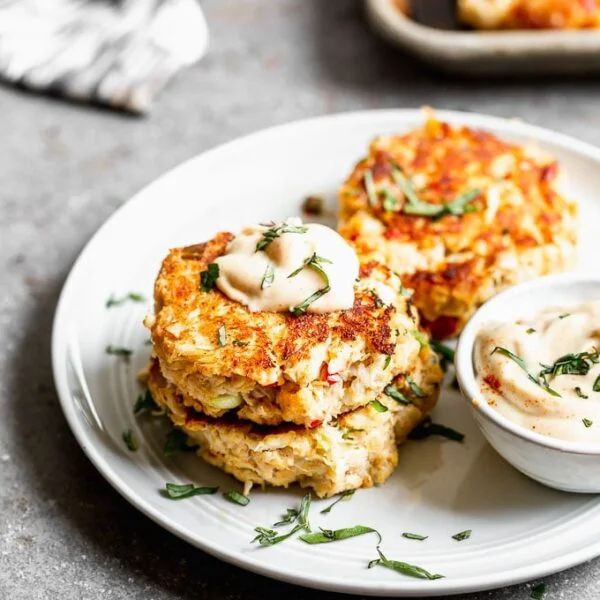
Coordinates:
column 564, row 315
column 539, row 591
column 335, row 535
column 402, row 567
column 530, row 331
column 302, row 308
column 208, row 278
column 347, row 435
column 596, row 386
column 239, row 344
column 370, row 188
column 236, row 498
column 587, row 422
column 378, row 406
column 393, row 392
column 426, row 429
column 580, row 393
column 420, row 337
column 463, row 535
column 414, row 536
column 144, row 403
column 519, row 361
column 179, row 492
column 269, row 537
column 268, row 278
column 276, row 231
column 571, row 364
column 415, row 206
column 405, row 291
column 379, row 303
column 131, row 296
column 387, row 361
column 316, row 262
column 443, row 350
column 176, row 441
column 124, row 353
column 222, row 336
column 290, row 516
column 345, row 496
column 415, row 388
column 130, row 441
column 390, row 202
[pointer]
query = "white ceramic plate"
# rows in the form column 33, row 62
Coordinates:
column 521, row 530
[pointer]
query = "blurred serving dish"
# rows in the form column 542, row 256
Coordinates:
column 435, row 32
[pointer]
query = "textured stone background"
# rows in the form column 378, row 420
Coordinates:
column 64, row 532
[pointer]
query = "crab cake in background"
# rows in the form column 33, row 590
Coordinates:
column 460, row 214
column 274, row 367
column 530, row 14
column 356, row 449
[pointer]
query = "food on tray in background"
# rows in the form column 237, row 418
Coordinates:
column 543, row 373
column 460, row 214
column 302, row 393
column 530, row 14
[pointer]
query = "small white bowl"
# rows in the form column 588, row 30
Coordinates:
column 565, row 465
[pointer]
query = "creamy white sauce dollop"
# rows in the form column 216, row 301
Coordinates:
column 258, row 268
column 573, row 414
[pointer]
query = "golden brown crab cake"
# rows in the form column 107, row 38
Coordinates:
column 530, row 14
column 357, row 449
column 460, row 214
column 271, row 367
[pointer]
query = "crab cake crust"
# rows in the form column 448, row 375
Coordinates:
column 519, row 225
column 275, row 367
column 530, row 14
column 358, row 449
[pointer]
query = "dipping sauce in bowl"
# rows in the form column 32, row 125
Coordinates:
column 543, row 372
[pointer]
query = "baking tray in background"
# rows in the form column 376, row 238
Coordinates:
column 433, row 34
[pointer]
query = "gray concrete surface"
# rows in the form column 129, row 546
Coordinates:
column 64, row 532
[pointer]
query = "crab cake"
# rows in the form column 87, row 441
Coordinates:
column 357, row 449
column 460, row 214
column 274, row 367
column 530, row 14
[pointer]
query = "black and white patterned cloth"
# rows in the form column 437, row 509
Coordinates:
column 118, row 53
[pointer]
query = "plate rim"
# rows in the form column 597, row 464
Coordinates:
column 60, row 342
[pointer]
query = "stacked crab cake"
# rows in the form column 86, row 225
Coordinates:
column 306, row 394
column 460, row 214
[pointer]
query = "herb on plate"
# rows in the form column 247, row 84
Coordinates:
column 402, row 567
column 131, row 297
column 176, row 441
column 596, row 386
column 303, row 307
column 270, row 537
column 236, row 498
column 345, row 496
column 530, row 331
column 144, row 403
column 386, row 362
column 176, row 491
column 415, row 388
column 587, row 422
column 326, row 536
column 462, row 535
column 124, row 353
column 580, row 393
column 130, row 441
column 414, row 536
column 443, row 350
column 208, row 278
column 427, row 428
